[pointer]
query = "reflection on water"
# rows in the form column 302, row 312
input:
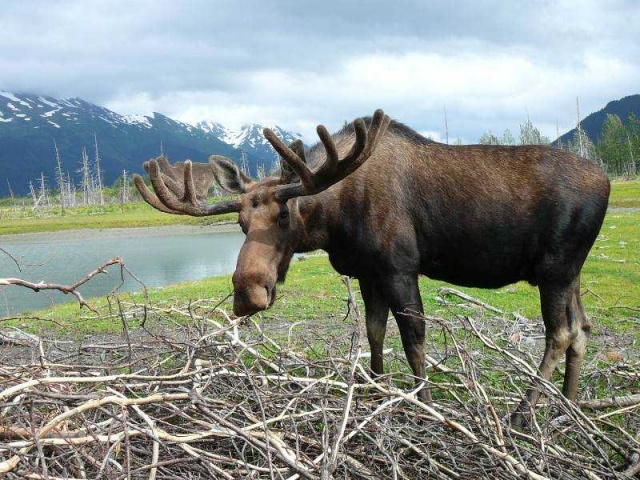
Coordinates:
column 157, row 256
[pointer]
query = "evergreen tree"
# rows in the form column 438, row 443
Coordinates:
column 612, row 145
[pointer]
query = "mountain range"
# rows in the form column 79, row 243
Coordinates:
column 33, row 126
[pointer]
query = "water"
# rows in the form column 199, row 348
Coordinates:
column 157, row 256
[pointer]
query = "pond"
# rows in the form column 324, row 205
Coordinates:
column 157, row 256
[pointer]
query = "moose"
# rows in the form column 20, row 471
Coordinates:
column 388, row 205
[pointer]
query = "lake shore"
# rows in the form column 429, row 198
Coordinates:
column 121, row 232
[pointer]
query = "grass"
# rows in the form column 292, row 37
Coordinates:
column 625, row 194
column 109, row 216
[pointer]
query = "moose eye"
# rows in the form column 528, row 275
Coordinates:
column 283, row 216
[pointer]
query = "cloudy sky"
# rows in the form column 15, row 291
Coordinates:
column 299, row 63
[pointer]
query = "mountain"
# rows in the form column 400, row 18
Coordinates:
column 30, row 124
column 249, row 139
column 592, row 124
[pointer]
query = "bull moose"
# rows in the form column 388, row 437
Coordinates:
column 387, row 205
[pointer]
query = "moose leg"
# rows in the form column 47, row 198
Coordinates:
column 580, row 329
column 406, row 305
column 563, row 327
column 377, row 312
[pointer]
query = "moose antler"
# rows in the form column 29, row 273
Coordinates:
column 181, row 196
column 333, row 169
column 173, row 175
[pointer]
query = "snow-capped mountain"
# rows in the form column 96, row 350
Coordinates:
column 30, row 124
column 249, row 138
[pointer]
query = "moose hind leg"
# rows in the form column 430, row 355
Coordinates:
column 377, row 312
column 560, row 333
column 580, row 329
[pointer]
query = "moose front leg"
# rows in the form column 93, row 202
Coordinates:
column 404, row 299
column 377, row 312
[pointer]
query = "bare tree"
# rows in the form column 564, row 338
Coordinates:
column 34, row 196
column 581, row 144
column 70, row 191
column 530, row 135
column 87, row 182
column 124, row 188
column 43, row 190
column 245, row 164
column 10, row 190
column 446, row 126
column 60, row 178
column 98, row 173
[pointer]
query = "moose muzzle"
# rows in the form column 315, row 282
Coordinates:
column 252, row 299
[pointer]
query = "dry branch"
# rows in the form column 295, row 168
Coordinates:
column 73, row 288
column 218, row 399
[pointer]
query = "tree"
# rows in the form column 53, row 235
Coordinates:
column 507, row 138
column 633, row 140
column 489, row 138
column 530, row 135
column 612, row 145
column 582, row 145
column 87, row 182
column 98, row 173
column 60, row 181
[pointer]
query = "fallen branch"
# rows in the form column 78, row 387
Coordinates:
column 68, row 289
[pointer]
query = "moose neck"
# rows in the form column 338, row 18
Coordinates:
column 315, row 216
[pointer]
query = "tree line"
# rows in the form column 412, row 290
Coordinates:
column 62, row 192
column 617, row 148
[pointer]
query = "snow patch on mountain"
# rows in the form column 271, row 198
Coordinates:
column 137, row 120
column 47, row 102
column 10, row 96
column 50, row 113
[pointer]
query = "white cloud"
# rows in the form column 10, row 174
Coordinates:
column 490, row 63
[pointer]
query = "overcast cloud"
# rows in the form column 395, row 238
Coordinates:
column 299, row 63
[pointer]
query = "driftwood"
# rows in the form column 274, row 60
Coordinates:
column 73, row 288
column 216, row 397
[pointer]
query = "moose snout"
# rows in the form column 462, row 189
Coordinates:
column 253, row 298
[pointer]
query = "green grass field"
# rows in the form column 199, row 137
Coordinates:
column 109, row 216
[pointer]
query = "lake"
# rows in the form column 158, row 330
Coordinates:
column 158, row 256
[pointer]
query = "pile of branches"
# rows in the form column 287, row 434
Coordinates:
column 216, row 397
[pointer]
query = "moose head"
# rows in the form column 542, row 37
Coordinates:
column 268, row 209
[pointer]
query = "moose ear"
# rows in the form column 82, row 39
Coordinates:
column 287, row 175
column 228, row 175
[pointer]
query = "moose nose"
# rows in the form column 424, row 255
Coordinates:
column 250, row 300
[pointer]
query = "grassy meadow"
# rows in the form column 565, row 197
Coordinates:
column 24, row 220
